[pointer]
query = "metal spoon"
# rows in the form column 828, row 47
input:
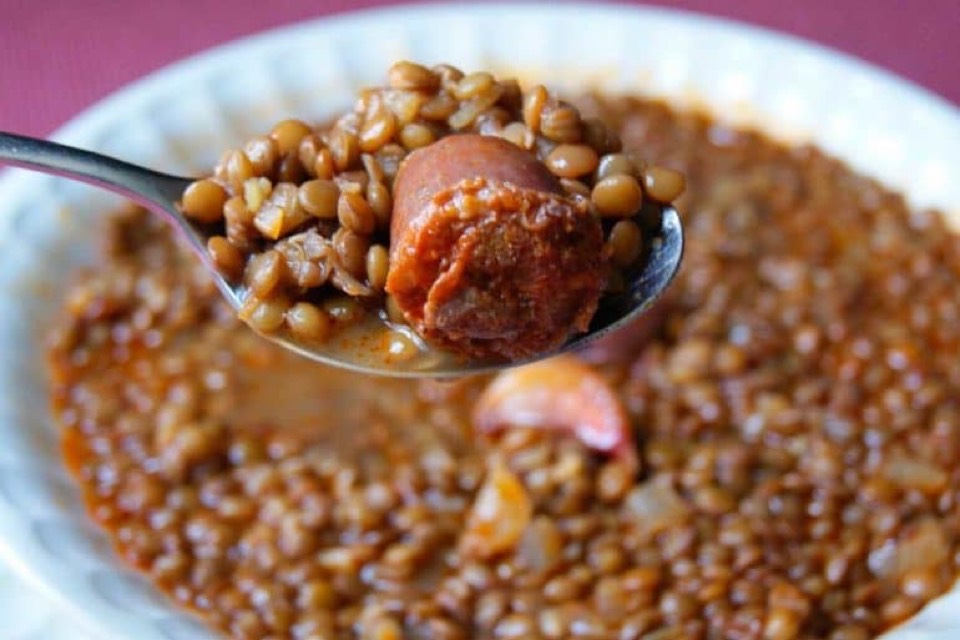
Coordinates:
column 160, row 192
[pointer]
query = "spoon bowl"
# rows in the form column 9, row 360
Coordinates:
column 160, row 192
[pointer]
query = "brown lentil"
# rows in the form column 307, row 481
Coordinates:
column 377, row 262
column 572, row 160
column 307, row 322
column 203, row 201
column 618, row 196
column 560, row 123
column 662, row 184
column 287, row 134
column 319, row 198
column 416, row 135
column 309, row 151
column 225, row 256
column 354, row 213
column 381, row 203
column 625, row 243
column 614, row 164
column 533, row 102
column 408, row 75
column 235, row 169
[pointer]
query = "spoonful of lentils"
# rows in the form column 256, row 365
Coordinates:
column 448, row 224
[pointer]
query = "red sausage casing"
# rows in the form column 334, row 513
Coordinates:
column 488, row 257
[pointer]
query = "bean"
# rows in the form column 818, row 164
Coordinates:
column 416, row 135
column 378, row 262
column 237, row 168
column 377, row 131
column 381, row 203
column 439, row 107
column 343, row 309
column 265, row 316
column 572, row 160
column 354, row 213
column 405, row 105
column 618, row 196
column 319, row 198
column 372, row 166
column 782, row 624
column 344, row 148
column 324, row 167
column 560, row 123
column 355, row 181
column 203, row 201
column 308, row 152
column 389, row 159
column 662, row 184
column 225, row 257
column 473, row 84
column 265, row 272
column 625, row 243
column 307, row 322
column 287, row 134
column 409, row 75
column 533, row 102
column 614, row 164
column 449, row 75
column 352, row 249
column 470, row 110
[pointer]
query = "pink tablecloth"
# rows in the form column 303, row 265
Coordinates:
column 58, row 56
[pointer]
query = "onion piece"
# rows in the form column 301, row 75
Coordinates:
column 499, row 514
column 912, row 473
column 921, row 545
column 656, row 506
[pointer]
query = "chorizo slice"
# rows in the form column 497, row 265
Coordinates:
column 562, row 394
column 489, row 258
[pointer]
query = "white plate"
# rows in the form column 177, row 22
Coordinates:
column 178, row 120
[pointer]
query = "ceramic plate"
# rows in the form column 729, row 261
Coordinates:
column 179, row 118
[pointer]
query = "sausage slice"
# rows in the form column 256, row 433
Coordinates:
column 488, row 257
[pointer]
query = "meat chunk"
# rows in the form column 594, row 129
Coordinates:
column 488, row 257
column 562, row 394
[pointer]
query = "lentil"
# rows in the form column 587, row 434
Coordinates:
column 617, row 196
column 662, row 184
column 203, row 201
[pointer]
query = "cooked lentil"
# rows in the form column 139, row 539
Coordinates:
column 796, row 418
column 300, row 182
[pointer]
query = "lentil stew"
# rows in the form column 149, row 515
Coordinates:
column 794, row 415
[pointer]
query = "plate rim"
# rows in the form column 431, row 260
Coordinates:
column 21, row 552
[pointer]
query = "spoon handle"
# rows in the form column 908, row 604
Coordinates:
column 147, row 187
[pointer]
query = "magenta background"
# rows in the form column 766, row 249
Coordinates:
column 59, row 56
